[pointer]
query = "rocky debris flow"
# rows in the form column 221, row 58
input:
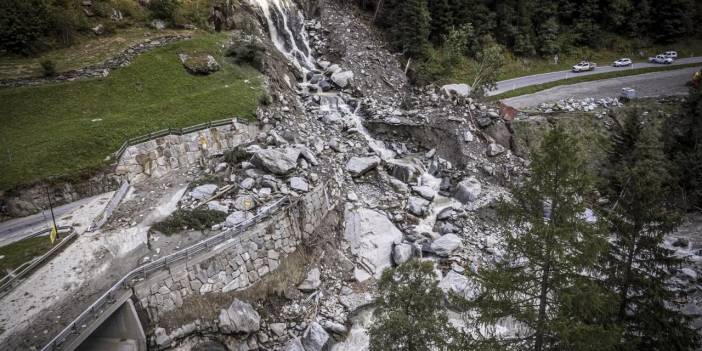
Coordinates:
column 240, row 317
column 586, row 105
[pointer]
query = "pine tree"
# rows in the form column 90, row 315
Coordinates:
column 548, row 37
column 672, row 19
column 410, row 313
column 684, row 147
column 441, row 19
column 638, row 267
column 544, row 280
column 410, row 31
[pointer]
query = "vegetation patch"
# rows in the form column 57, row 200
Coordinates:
column 197, row 219
column 19, row 252
column 61, row 129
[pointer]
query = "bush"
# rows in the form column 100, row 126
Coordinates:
column 247, row 51
column 197, row 219
column 48, row 68
column 22, row 23
column 165, row 10
column 130, row 8
column 195, row 12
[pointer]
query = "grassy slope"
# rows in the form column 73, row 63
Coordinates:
column 49, row 130
column 88, row 51
column 630, row 72
column 22, row 251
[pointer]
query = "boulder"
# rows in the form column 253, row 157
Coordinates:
column 247, row 183
column 299, row 184
column 444, row 214
column 275, row 161
column 277, row 328
column 203, row 192
column 417, row 206
column 199, row 63
column 403, row 170
column 358, row 166
column 217, row 206
column 445, row 245
column 468, row 190
column 239, row 318
column 312, row 282
column 235, row 218
column 462, row 90
column 293, row 345
column 315, row 338
column 495, row 149
column 458, row 284
column 424, row 191
column 401, row 253
column 157, row 24
column 342, row 79
column 162, row 338
column 372, row 236
column 244, row 203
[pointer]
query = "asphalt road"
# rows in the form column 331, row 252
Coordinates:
column 18, row 228
column 666, row 83
column 516, row 83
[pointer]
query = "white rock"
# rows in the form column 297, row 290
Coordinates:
column 315, row 338
column 217, row 206
column 342, row 79
column 299, row 184
column 312, row 282
column 462, row 90
column 401, row 253
column 235, row 218
column 468, row 190
column 358, row 166
column 372, row 236
column 445, row 245
column 240, row 317
column 425, row 191
column 417, row 206
column 495, row 149
column 247, row 183
column 458, row 284
column 203, row 192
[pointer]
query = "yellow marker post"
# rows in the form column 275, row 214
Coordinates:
column 53, row 235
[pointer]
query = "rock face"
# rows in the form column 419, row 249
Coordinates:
column 358, row 166
column 275, row 161
column 446, row 245
column 462, row 90
column 468, row 190
column 316, row 338
column 239, row 318
column 372, row 237
column 312, row 282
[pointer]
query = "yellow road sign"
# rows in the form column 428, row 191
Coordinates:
column 53, row 235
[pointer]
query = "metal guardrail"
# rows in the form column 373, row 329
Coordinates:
column 142, row 272
column 13, row 278
column 106, row 213
column 170, row 131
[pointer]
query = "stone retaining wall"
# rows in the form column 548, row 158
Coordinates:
column 240, row 262
column 159, row 156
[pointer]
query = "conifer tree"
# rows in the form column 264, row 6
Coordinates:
column 410, row 313
column 544, row 280
column 441, row 19
column 411, row 29
column 638, row 268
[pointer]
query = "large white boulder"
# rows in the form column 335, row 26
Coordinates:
column 458, row 284
column 203, row 192
column 358, row 166
column 276, row 161
column 445, row 245
column 372, row 236
column 239, row 318
column 315, row 338
column 462, row 90
column 468, row 190
column 342, row 79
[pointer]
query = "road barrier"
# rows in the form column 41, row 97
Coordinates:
column 94, row 311
column 13, row 278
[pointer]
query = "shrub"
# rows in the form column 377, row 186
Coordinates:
column 246, row 50
column 195, row 12
column 48, row 68
column 165, row 9
column 130, row 8
column 22, row 23
column 197, row 219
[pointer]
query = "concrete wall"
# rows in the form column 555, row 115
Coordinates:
column 240, row 262
column 157, row 157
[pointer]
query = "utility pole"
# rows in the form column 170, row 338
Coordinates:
column 51, row 208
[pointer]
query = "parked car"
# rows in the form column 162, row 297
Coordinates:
column 671, row 54
column 584, row 66
column 660, row 59
column 622, row 62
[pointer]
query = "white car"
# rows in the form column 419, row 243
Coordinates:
column 622, row 62
column 662, row 59
column 671, row 54
column 584, row 66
